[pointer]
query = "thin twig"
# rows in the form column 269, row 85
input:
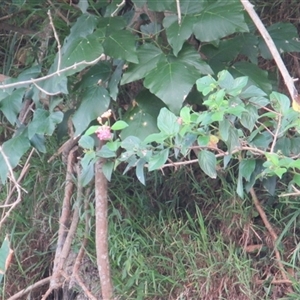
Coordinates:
column 178, row 11
column 119, row 7
column 276, row 134
column 57, row 40
column 31, row 81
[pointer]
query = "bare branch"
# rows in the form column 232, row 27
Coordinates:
column 119, row 7
column 31, row 81
column 178, row 11
column 289, row 81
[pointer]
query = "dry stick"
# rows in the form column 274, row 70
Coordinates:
column 101, row 199
column 63, row 227
column 271, row 231
column 288, row 80
column 29, row 289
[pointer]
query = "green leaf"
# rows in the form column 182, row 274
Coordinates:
column 86, row 142
column 148, row 57
column 185, row 114
column 158, row 160
column 296, row 179
column 218, row 20
column 91, row 130
column 240, row 186
column 44, row 122
column 95, row 102
column 190, row 6
column 208, row 163
column 233, row 141
column 13, row 149
column 178, row 34
column 177, row 81
column 107, row 169
column 191, row 58
column 83, row 5
column 249, row 117
column 139, row 170
column 280, row 102
column 105, row 152
column 119, row 125
column 142, row 117
column 206, row 84
column 12, row 104
column 115, row 79
column 83, row 48
column 131, row 143
column 257, row 76
column 158, row 5
column 87, row 163
column 5, row 257
column 285, row 37
column 246, row 168
column 121, row 45
column 156, row 137
column 38, row 142
column 167, row 122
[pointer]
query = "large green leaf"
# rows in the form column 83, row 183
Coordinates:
column 191, row 58
column 121, row 45
column 171, row 82
column 159, row 5
column 95, row 102
column 12, row 104
column 178, row 34
column 142, row 117
column 83, row 48
column 285, row 37
column 208, row 162
column 148, row 56
column 191, row 6
column 218, row 20
column 13, row 149
column 44, row 122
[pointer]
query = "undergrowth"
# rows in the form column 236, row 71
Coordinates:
column 181, row 236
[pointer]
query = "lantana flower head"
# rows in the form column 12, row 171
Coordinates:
column 103, row 133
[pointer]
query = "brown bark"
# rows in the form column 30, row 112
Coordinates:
column 102, row 231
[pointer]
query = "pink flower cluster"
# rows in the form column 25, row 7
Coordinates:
column 104, row 133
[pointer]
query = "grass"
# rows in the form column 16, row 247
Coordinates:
column 179, row 237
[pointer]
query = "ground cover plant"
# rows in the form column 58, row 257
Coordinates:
column 140, row 86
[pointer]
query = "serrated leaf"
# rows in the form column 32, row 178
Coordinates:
column 280, row 102
column 86, row 142
column 119, row 125
column 105, row 152
column 95, row 102
column 14, row 149
column 12, row 104
column 158, row 160
column 148, row 56
column 218, row 20
column 167, row 122
column 44, row 122
column 208, row 163
column 121, row 45
column 177, row 34
column 177, row 81
column 249, row 117
column 256, row 75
